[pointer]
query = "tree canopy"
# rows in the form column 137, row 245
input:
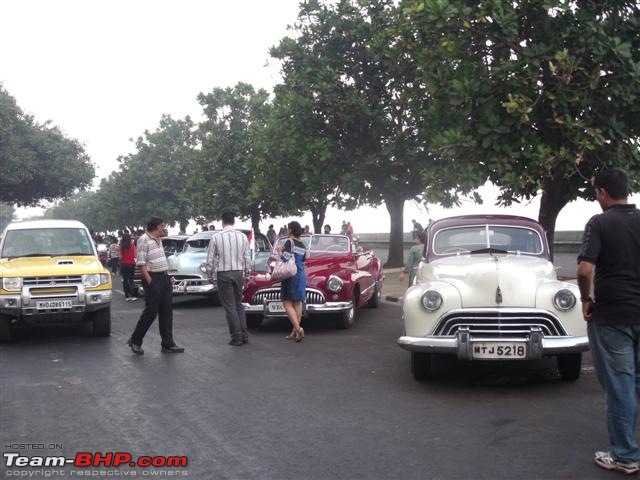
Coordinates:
column 37, row 161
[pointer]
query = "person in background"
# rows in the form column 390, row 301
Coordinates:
column 205, row 228
column 212, row 227
column 293, row 291
column 611, row 243
column 343, row 228
column 114, row 255
column 271, row 234
column 417, row 228
column 413, row 259
column 127, row 255
column 158, row 290
column 349, row 231
column 229, row 259
column 307, row 229
column 327, row 229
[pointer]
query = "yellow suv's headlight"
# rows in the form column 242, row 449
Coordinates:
column 12, row 284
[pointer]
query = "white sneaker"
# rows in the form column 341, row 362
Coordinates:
column 128, row 299
column 606, row 461
column 133, row 299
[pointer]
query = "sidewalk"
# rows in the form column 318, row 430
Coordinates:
column 392, row 288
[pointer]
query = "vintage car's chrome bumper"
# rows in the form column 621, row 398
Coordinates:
column 324, row 308
column 537, row 345
column 193, row 287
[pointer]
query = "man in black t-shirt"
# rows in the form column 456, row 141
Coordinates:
column 611, row 243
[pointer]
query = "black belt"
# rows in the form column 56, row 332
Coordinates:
column 158, row 273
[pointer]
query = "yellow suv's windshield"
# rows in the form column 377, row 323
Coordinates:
column 37, row 242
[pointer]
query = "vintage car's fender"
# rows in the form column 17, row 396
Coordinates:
column 572, row 320
column 420, row 322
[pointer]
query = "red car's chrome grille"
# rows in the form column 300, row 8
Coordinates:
column 314, row 297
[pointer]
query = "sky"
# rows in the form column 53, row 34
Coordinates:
column 106, row 71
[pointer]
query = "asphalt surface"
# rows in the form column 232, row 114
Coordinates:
column 340, row 405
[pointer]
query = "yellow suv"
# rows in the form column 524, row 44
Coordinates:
column 50, row 274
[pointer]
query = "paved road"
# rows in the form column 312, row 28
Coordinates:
column 341, row 405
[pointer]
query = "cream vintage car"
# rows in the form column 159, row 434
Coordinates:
column 486, row 290
column 50, row 273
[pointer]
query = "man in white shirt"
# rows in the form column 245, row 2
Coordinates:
column 229, row 259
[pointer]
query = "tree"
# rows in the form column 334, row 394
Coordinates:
column 37, row 161
column 360, row 88
column 7, row 212
column 537, row 94
column 226, row 163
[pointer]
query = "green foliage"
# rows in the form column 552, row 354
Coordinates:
column 37, row 161
column 537, row 95
column 225, row 169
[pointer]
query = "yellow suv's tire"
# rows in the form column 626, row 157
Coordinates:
column 102, row 322
column 6, row 335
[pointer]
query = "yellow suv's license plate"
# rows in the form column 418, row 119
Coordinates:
column 54, row 304
column 498, row 350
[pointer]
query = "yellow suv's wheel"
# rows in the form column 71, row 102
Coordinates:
column 6, row 334
column 102, row 322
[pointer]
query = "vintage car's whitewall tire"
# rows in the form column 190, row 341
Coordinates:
column 6, row 334
column 420, row 365
column 254, row 321
column 348, row 317
column 102, row 322
column 569, row 366
column 374, row 301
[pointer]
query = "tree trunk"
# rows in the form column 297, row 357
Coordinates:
column 395, row 207
column 183, row 225
column 553, row 200
column 318, row 213
column 255, row 219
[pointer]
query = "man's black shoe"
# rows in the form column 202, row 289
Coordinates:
column 137, row 349
column 172, row 349
column 235, row 343
column 245, row 340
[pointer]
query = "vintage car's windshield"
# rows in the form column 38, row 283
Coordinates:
column 172, row 245
column 197, row 245
column 469, row 239
column 36, row 242
column 321, row 243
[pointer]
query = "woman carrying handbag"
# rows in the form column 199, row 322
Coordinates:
column 293, row 290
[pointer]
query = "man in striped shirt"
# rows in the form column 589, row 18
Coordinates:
column 229, row 260
column 158, row 291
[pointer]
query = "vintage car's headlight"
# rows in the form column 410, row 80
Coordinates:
column 203, row 267
column 12, row 284
column 564, row 300
column 91, row 281
column 431, row 300
column 335, row 284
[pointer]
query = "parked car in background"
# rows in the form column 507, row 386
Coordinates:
column 341, row 277
column 173, row 244
column 486, row 290
column 50, row 274
column 187, row 268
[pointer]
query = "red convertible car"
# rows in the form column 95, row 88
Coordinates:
column 341, row 277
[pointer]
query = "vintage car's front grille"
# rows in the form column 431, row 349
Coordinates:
column 497, row 323
column 51, row 281
column 314, row 297
column 179, row 278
